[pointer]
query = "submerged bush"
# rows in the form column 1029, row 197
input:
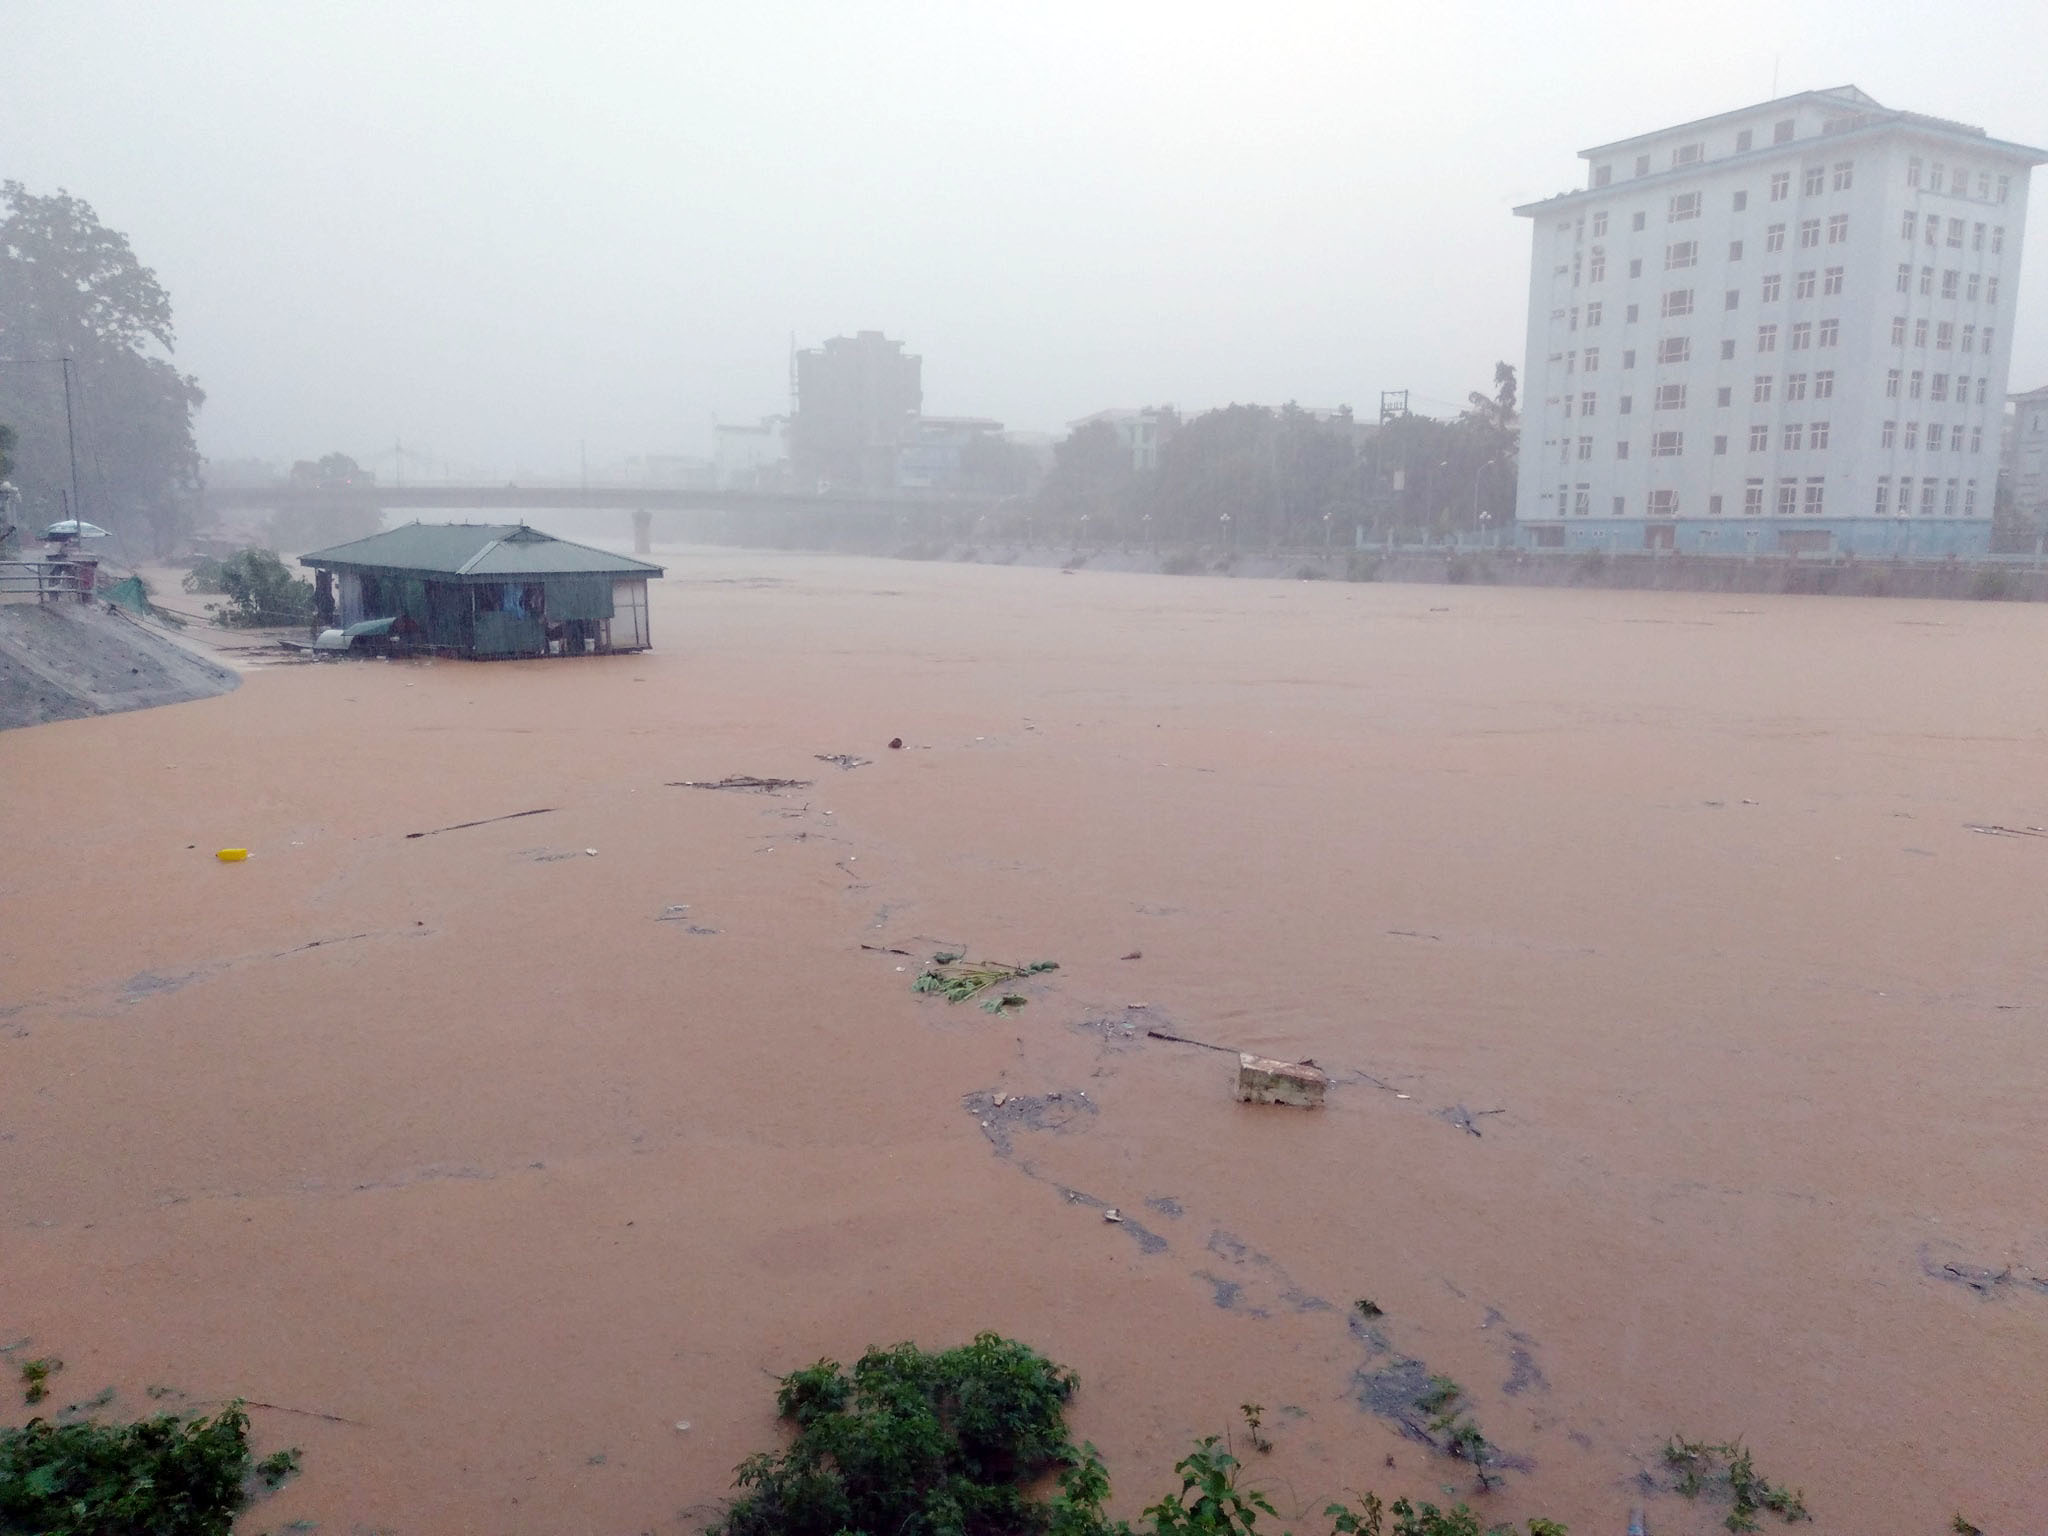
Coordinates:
column 165, row 1475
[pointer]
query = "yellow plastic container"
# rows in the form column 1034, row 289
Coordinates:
column 232, row 855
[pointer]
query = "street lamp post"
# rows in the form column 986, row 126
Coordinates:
column 1226, row 530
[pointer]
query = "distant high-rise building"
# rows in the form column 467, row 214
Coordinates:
column 2026, row 459
column 857, row 404
column 1784, row 328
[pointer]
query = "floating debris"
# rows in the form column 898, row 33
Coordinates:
column 843, row 760
column 741, row 781
column 463, row 826
column 958, row 980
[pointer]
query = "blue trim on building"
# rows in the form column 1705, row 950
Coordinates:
column 1874, row 538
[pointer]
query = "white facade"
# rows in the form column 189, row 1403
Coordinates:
column 2026, row 457
column 746, row 457
column 1784, row 328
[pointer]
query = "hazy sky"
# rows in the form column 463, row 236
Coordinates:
column 501, row 229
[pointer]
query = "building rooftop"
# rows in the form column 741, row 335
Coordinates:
column 476, row 551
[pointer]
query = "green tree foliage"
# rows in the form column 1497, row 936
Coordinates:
column 260, row 589
column 7, row 440
column 69, row 286
column 1291, row 478
column 165, row 1475
column 918, row 1444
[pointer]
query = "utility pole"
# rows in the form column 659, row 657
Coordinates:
column 70, row 436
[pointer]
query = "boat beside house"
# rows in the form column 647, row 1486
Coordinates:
column 484, row 590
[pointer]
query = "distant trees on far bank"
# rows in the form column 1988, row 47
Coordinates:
column 1259, row 477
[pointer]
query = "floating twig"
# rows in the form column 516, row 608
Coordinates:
column 741, row 781
column 464, row 825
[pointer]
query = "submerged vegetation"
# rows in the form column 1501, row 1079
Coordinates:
column 911, row 1443
column 1701, row 1465
column 957, row 980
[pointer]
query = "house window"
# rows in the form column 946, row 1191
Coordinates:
column 1905, row 277
column 1802, row 335
column 1602, row 175
column 1891, row 384
column 1889, row 435
column 1802, row 285
column 1831, row 281
column 1830, row 333
column 1621, row 449
column 1720, row 445
column 1905, row 495
column 1666, row 445
column 1593, row 312
column 1733, row 299
column 1927, row 497
column 1686, row 154
column 1728, row 350
column 1973, row 286
column 1969, row 338
column 1845, row 174
column 1759, row 436
column 1664, row 502
column 1976, row 439
column 1927, row 282
column 1761, row 394
column 1824, row 384
column 1913, row 386
column 1912, row 435
column 1683, row 205
column 1752, row 498
column 1945, row 335
column 1809, row 234
column 1686, row 253
column 1815, row 491
column 1740, row 201
column 1628, row 357
column 1582, row 501
column 1838, row 228
column 1987, row 338
column 1909, row 224
column 1670, row 397
column 1642, row 165
column 1600, row 221
column 1587, row 401
column 1781, row 133
column 1714, row 502
column 1948, row 499
column 1735, row 250
column 2004, row 188
column 1817, row 434
column 1677, row 301
column 1998, row 240
column 1990, row 290
column 1767, row 338
column 1624, row 405
column 1970, row 499
column 1884, row 495
column 1795, row 435
column 1813, row 181
column 1620, row 505
column 1934, row 175
column 1743, row 140
column 1795, row 386
column 1980, row 401
column 1585, row 448
column 1898, row 330
column 1955, row 438
column 1951, row 283
column 1788, row 497
column 1724, row 396
column 1913, row 171
column 1638, row 220
column 1773, row 287
column 1937, row 387
column 1592, row 359
column 1920, row 332
column 1774, row 238
column 1596, row 269
column 1635, row 266
column 1675, row 349
column 1781, row 186
column 1932, row 229
column 1955, row 234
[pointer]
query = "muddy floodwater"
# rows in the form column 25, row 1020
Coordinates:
column 1680, row 961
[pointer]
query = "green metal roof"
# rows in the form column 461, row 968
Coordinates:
column 476, row 552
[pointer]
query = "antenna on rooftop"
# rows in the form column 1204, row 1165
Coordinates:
column 1776, row 59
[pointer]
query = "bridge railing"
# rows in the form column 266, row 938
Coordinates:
column 46, row 579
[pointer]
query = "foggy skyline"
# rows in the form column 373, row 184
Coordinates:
column 499, row 232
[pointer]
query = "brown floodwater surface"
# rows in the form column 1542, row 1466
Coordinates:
column 1690, row 1045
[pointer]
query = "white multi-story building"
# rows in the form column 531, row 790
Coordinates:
column 1780, row 329
column 2026, row 459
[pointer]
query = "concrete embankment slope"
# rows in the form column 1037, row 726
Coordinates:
column 62, row 661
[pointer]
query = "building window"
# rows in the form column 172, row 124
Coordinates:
column 1955, row 234
column 1642, row 165
column 1663, row 503
column 1984, row 186
column 1976, row 439
column 1781, row 186
column 1774, row 238
column 1987, row 338
column 1596, row 269
column 1685, row 253
column 1670, row 397
column 1628, row 315
column 1773, row 287
column 1898, row 330
column 1980, row 401
column 1733, row 299
column 1951, row 283
column 1714, row 502
column 1912, row 435
column 1932, row 229
column 1752, row 498
column 1905, row 277
column 1724, row 396
column 1635, row 266
column 1582, row 501
column 1574, row 322
column 1973, row 286
column 1741, row 201
column 1831, row 282
column 1891, row 384
column 1742, row 141
column 1998, row 240
column 1830, row 333
column 1761, row 394
column 1683, row 205
column 1948, row 499
column 1720, row 445
column 1934, row 175
column 1913, row 386
column 1945, row 335
column 1587, row 401
column 1620, row 504
column 1913, row 171
column 1920, row 332
column 1600, row 221
column 1802, row 335
column 1788, row 497
column 1889, row 435
column 1970, row 338
column 1759, row 436
column 1838, row 228
column 1735, row 250
column 1728, row 349
column 1592, row 359
column 1990, row 290
column 1927, row 497
column 1602, row 175
column 1955, row 438
column 1625, row 404
column 1884, row 495
column 1927, row 282
column 1802, row 286
column 1824, row 384
column 1621, row 449
column 1593, row 313
column 1937, row 387
column 1677, row 301
column 1675, row 349
column 1845, row 174
column 1767, row 338
column 1814, row 181
column 2004, row 188
column 1909, row 224
column 1585, row 449
column 1781, row 133
column 1809, row 234
column 1817, row 434
column 1795, row 435
column 1666, row 445
column 1905, row 495
column 1638, row 220
column 1628, row 357
column 1815, row 491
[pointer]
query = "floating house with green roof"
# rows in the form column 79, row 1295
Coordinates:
column 485, row 590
